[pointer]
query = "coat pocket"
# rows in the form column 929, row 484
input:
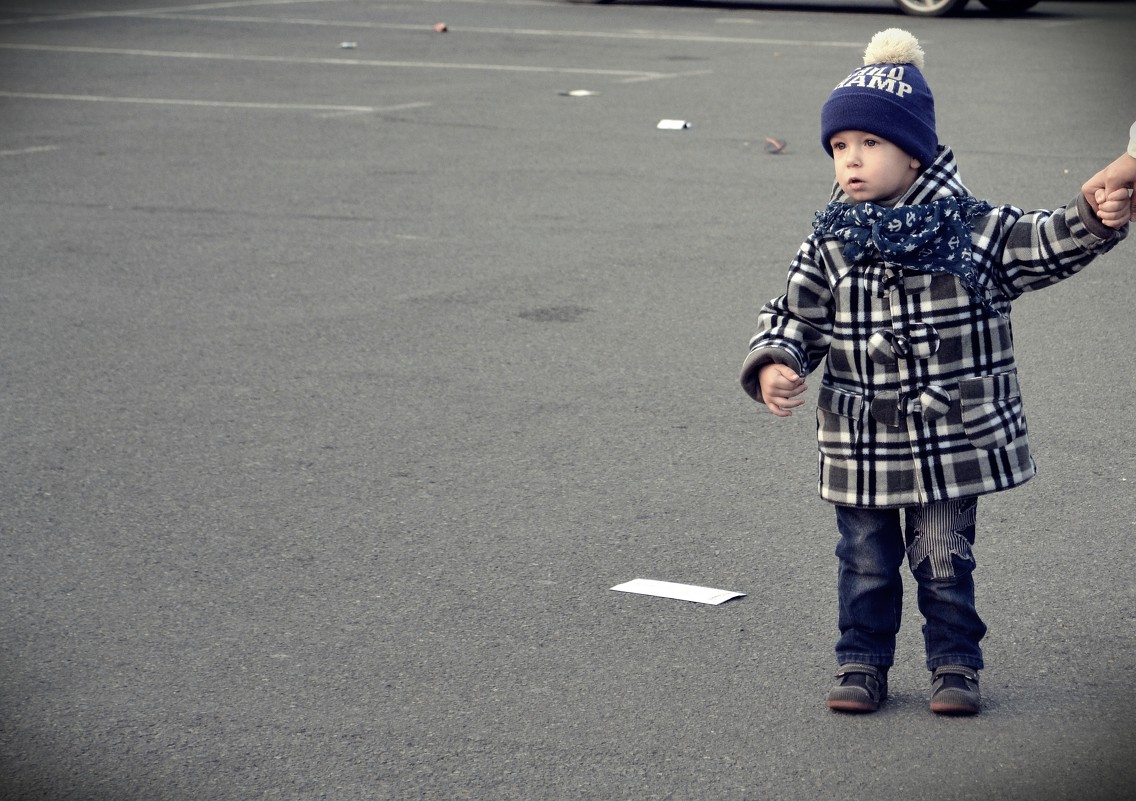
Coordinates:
column 840, row 416
column 991, row 409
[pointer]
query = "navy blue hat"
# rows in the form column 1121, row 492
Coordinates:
column 887, row 97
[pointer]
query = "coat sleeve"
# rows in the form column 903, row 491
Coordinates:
column 1040, row 248
column 795, row 328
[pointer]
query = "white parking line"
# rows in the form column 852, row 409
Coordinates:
column 343, row 62
column 635, row 35
column 72, row 15
column 27, row 150
column 168, row 101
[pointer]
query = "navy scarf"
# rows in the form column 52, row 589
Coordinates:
column 931, row 237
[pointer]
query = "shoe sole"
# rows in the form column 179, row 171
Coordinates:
column 857, row 707
column 953, row 708
column 847, row 701
column 951, row 702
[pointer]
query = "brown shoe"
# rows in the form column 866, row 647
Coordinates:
column 954, row 690
column 858, row 688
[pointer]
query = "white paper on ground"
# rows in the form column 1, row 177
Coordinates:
column 681, row 592
column 672, row 125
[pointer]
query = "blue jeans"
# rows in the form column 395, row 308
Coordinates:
column 937, row 541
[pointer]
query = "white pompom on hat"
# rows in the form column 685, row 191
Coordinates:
column 894, row 46
column 887, row 97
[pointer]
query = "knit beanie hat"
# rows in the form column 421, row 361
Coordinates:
column 887, row 97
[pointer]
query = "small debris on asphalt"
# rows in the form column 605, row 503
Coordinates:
column 673, row 125
column 440, row 27
column 774, row 146
column 579, row 93
column 348, row 45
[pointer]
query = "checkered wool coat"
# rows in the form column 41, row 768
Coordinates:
column 919, row 401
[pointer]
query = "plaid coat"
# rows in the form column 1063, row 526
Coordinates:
column 919, row 401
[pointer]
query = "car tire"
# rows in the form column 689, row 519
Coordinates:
column 930, row 8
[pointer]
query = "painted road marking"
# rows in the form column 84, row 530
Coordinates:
column 150, row 11
column 169, row 101
column 633, row 35
column 26, row 150
column 338, row 62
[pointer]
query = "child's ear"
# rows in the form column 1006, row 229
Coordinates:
column 915, row 165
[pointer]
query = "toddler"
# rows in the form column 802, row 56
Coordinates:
column 904, row 290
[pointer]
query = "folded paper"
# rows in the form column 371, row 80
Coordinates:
column 681, row 592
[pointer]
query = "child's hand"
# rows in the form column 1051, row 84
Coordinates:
column 1121, row 174
column 1114, row 209
column 780, row 387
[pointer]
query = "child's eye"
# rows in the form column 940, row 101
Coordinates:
column 871, row 142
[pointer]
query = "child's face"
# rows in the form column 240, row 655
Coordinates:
column 870, row 168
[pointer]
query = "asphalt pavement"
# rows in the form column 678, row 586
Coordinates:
column 350, row 352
